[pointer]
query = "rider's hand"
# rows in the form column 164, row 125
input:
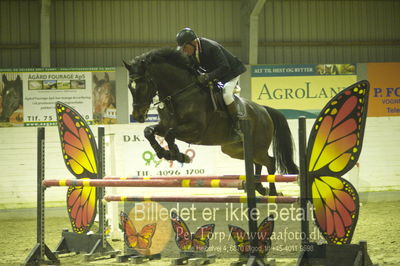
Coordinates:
column 203, row 78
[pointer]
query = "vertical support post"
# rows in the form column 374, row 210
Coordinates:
column 246, row 6
column 112, row 207
column 38, row 253
column 250, row 186
column 45, row 33
column 40, row 192
column 122, row 94
column 304, row 194
column 253, row 41
column 100, row 175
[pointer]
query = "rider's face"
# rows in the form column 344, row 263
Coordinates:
column 189, row 48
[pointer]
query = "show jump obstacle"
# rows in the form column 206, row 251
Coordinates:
column 334, row 146
column 97, row 244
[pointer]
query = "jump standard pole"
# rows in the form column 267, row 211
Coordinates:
column 38, row 253
column 94, row 245
column 253, row 259
column 304, row 194
column 100, row 191
column 70, row 242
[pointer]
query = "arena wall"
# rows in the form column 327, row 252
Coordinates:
column 379, row 167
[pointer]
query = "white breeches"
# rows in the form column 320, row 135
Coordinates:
column 229, row 88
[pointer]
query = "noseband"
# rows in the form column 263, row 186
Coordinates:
column 150, row 95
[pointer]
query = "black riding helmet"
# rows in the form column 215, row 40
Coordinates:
column 185, row 36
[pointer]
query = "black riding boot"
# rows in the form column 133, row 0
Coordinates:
column 233, row 112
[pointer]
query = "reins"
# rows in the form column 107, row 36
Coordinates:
column 156, row 90
column 169, row 97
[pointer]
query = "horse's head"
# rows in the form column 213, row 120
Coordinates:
column 142, row 87
column 11, row 97
column 164, row 71
column 103, row 94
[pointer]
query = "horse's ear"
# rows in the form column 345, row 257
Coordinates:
column 18, row 79
column 106, row 77
column 4, row 79
column 127, row 66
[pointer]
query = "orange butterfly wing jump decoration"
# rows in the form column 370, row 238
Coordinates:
column 187, row 241
column 133, row 238
column 80, row 156
column 264, row 233
column 334, row 147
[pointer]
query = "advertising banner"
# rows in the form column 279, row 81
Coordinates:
column 11, row 100
column 141, row 159
column 28, row 96
column 384, row 98
column 299, row 89
column 43, row 89
column 104, row 97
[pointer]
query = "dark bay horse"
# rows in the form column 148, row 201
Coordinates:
column 186, row 113
column 11, row 97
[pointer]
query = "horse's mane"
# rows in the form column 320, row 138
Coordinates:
column 166, row 55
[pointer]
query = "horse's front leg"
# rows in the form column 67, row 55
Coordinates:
column 176, row 155
column 150, row 132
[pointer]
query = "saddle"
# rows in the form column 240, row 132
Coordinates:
column 217, row 99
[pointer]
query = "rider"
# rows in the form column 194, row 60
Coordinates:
column 217, row 62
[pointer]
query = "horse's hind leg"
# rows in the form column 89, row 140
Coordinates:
column 259, row 187
column 262, row 158
column 272, row 190
column 235, row 150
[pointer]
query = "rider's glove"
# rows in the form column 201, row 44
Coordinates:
column 203, row 78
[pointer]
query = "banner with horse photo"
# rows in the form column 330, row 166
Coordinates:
column 299, row 90
column 11, row 103
column 28, row 95
column 104, row 97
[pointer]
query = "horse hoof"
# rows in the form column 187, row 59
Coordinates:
column 187, row 159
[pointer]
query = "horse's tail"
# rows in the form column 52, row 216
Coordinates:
column 283, row 146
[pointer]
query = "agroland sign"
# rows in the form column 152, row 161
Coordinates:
column 299, row 89
column 307, row 91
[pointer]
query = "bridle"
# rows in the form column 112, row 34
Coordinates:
column 150, row 95
column 155, row 91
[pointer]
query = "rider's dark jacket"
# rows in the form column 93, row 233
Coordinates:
column 218, row 62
